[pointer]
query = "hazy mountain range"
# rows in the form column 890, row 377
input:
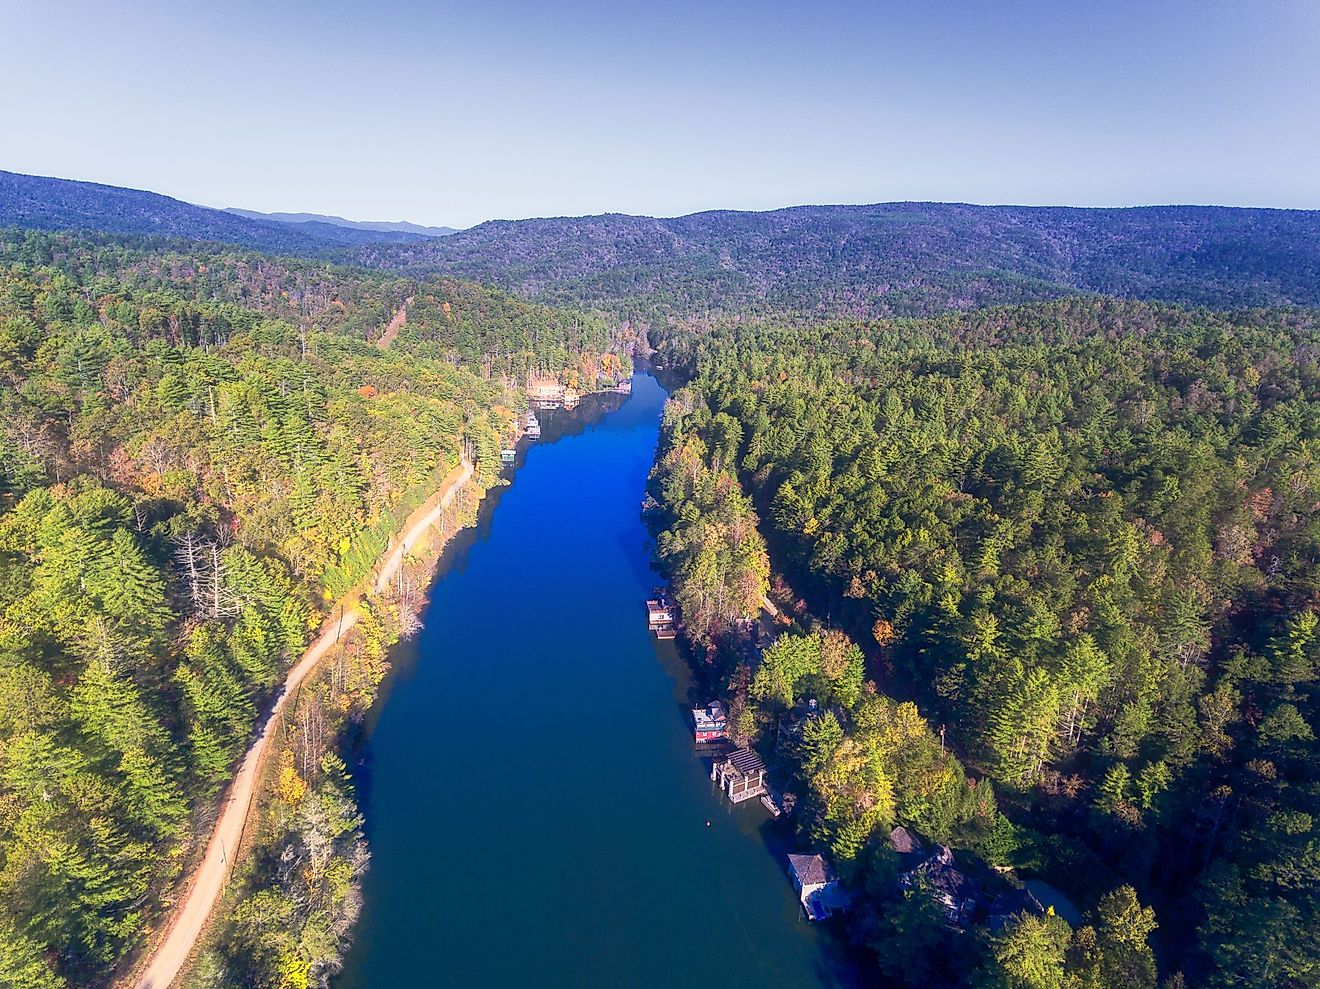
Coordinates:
column 887, row 259
column 43, row 203
column 384, row 226
column 878, row 260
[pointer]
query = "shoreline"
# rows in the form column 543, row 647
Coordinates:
column 240, row 804
column 254, row 778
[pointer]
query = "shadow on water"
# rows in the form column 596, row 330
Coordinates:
column 844, row 964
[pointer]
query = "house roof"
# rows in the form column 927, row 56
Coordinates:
column 956, row 891
column 746, row 761
column 710, row 718
column 810, row 869
column 904, row 841
column 713, row 711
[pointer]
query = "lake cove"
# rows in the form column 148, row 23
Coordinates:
column 535, row 810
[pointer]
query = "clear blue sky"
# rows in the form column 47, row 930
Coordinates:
column 453, row 113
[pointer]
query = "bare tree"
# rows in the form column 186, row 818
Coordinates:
column 203, row 570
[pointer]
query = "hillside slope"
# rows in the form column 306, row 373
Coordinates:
column 200, row 449
column 39, row 203
column 887, row 259
column 864, row 261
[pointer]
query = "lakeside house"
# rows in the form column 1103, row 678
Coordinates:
column 958, row 896
column 741, row 775
column 936, row 876
column 818, row 888
column 548, row 393
column 791, row 724
column 907, row 845
column 662, row 615
column 710, row 723
column 545, row 392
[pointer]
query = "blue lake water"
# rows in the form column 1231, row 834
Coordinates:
column 536, row 813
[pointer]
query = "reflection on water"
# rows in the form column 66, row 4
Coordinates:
column 536, row 812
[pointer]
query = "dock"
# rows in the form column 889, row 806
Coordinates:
column 818, row 887
column 531, row 426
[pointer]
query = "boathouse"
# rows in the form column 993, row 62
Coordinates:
column 741, row 775
column 661, row 615
column 818, row 888
column 710, row 723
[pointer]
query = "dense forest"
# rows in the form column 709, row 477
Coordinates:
column 887, row 259
column 1082, row 539
column 200, row 450
column 903, row 259
column 1046, row 560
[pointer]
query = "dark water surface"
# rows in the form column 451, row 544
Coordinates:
column 536, row 814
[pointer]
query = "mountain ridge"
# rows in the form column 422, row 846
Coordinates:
column 379, row 226
column 807, row 261
column 888, row 259
column 46, row 203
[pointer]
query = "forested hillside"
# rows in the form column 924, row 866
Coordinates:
column 37, row 203
column 198, row 451
column 888, row 259
column 1059, row 561
column 883, row 260
column 1084, row 538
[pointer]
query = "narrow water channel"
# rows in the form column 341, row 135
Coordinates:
column 536, row 813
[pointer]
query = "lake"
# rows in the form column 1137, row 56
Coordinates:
column 536, row 811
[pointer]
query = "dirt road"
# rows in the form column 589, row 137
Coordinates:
column 208, row 883
column 393, row 327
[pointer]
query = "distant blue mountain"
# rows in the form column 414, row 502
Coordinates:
column 40, row 203
column 383, row 226
column 886, row 259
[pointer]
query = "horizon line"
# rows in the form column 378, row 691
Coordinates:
column 679, row 216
